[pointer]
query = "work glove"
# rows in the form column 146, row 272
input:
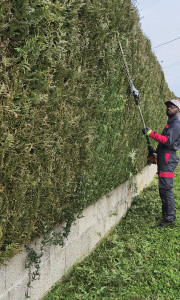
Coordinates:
column 146, row 130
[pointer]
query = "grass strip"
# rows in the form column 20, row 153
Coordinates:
column 137, row 260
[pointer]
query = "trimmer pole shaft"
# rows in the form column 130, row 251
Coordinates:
column 141, row 116
column 133, row 89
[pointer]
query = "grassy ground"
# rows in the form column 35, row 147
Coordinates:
column 136, row 261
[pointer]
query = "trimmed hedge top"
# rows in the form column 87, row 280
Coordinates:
column 70, row 130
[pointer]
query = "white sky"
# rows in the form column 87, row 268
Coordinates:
column 160, row 22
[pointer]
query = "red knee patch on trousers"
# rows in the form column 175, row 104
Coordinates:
column 166, row 174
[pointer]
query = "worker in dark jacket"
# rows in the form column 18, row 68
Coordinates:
column 167, row 159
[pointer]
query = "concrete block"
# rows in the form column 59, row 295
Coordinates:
column 102, row 208
column 42, row 283
column 112, row 200
column 74, row 231
column 57, row 263
column 110, row 222
column 17, row 291
column 2, row 279
column 95, row 234
column 15, row 270
column 76, row 250
column 89, row 218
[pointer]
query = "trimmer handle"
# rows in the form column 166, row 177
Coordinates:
column 135, row 92
column 136, row 95
column 148, row 141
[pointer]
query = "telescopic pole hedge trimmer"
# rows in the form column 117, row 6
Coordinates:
column 152, row 156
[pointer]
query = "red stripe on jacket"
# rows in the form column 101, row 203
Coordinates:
column 158, row 137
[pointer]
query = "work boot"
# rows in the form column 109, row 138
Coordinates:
column 164, row 224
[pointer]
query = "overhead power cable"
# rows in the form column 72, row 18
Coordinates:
column 174, row 64
column 169, row 75
column 167, row 42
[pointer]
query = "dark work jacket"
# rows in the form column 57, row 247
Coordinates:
column 169, row 140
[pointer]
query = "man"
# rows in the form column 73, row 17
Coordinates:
column 167, row 159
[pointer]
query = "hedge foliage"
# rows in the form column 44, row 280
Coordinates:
column 69, row 128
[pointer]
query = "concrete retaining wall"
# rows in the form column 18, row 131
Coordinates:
column 98, row 219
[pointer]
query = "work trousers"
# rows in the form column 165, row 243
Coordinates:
column 167, row 162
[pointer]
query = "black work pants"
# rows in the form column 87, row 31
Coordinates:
column 167, row 162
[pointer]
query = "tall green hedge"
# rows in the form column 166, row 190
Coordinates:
column 69, row 128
